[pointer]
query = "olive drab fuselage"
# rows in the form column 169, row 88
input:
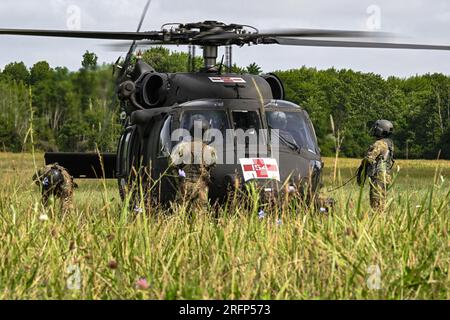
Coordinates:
column 164, row 103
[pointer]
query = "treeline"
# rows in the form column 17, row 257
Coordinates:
column 418, row 106
column 72, row 111
column 78, row 111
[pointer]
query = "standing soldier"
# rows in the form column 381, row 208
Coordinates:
column 378, row 163
column 54, row 180
column 194, row 160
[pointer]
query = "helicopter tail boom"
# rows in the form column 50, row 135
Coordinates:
column 85, row 165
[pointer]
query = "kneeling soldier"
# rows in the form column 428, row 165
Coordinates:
column 54, row 180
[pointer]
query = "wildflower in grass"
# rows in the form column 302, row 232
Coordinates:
column 261, row 214
column 138, row 209
column 181, row 173
column 43, row 217
column 142, row 284
column 279, row 222
column 113, row 264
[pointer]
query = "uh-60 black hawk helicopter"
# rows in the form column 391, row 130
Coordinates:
column 155, row 104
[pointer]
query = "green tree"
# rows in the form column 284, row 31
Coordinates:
column 17, row 71
column 253, row 68
column 89, row 61
column 163, row 60
column 14, row 107
column 236, row 69
column 39, row 72
column 85, row 81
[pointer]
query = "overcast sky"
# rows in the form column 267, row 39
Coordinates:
column 416, row 20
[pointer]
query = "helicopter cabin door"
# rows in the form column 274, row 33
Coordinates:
column 160, row 148
column 129, row 159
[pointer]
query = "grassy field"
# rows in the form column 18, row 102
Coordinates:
column 100, row 252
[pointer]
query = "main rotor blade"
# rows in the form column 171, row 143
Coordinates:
column 308, row 43
column 127, row 61
column 121, row 46
column 351, row 44
column 107, row 35
column 322, row 33
column 144, row 13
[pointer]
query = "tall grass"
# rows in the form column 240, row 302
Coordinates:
column 226, row 253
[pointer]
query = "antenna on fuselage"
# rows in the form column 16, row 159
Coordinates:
column 229, row 58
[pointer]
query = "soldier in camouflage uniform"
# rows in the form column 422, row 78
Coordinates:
column 193, row 161
column 377, row 164
column 54, row 180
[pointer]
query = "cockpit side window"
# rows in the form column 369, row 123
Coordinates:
column 295, row 128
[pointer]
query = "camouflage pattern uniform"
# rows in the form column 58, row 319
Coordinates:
column 62, row 190
column 323, row 203
column 378, row 163
column 194, row 161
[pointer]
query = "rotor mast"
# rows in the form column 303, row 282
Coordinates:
column 210, row 56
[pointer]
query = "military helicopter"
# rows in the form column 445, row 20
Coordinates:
column 156, row 104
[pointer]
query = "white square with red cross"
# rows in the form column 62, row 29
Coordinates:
column 260, row 168
column 227, row 79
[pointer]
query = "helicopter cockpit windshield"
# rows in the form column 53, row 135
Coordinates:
column 217, row 122
column 217, row 119
column 295, row 130
column 246, row 120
